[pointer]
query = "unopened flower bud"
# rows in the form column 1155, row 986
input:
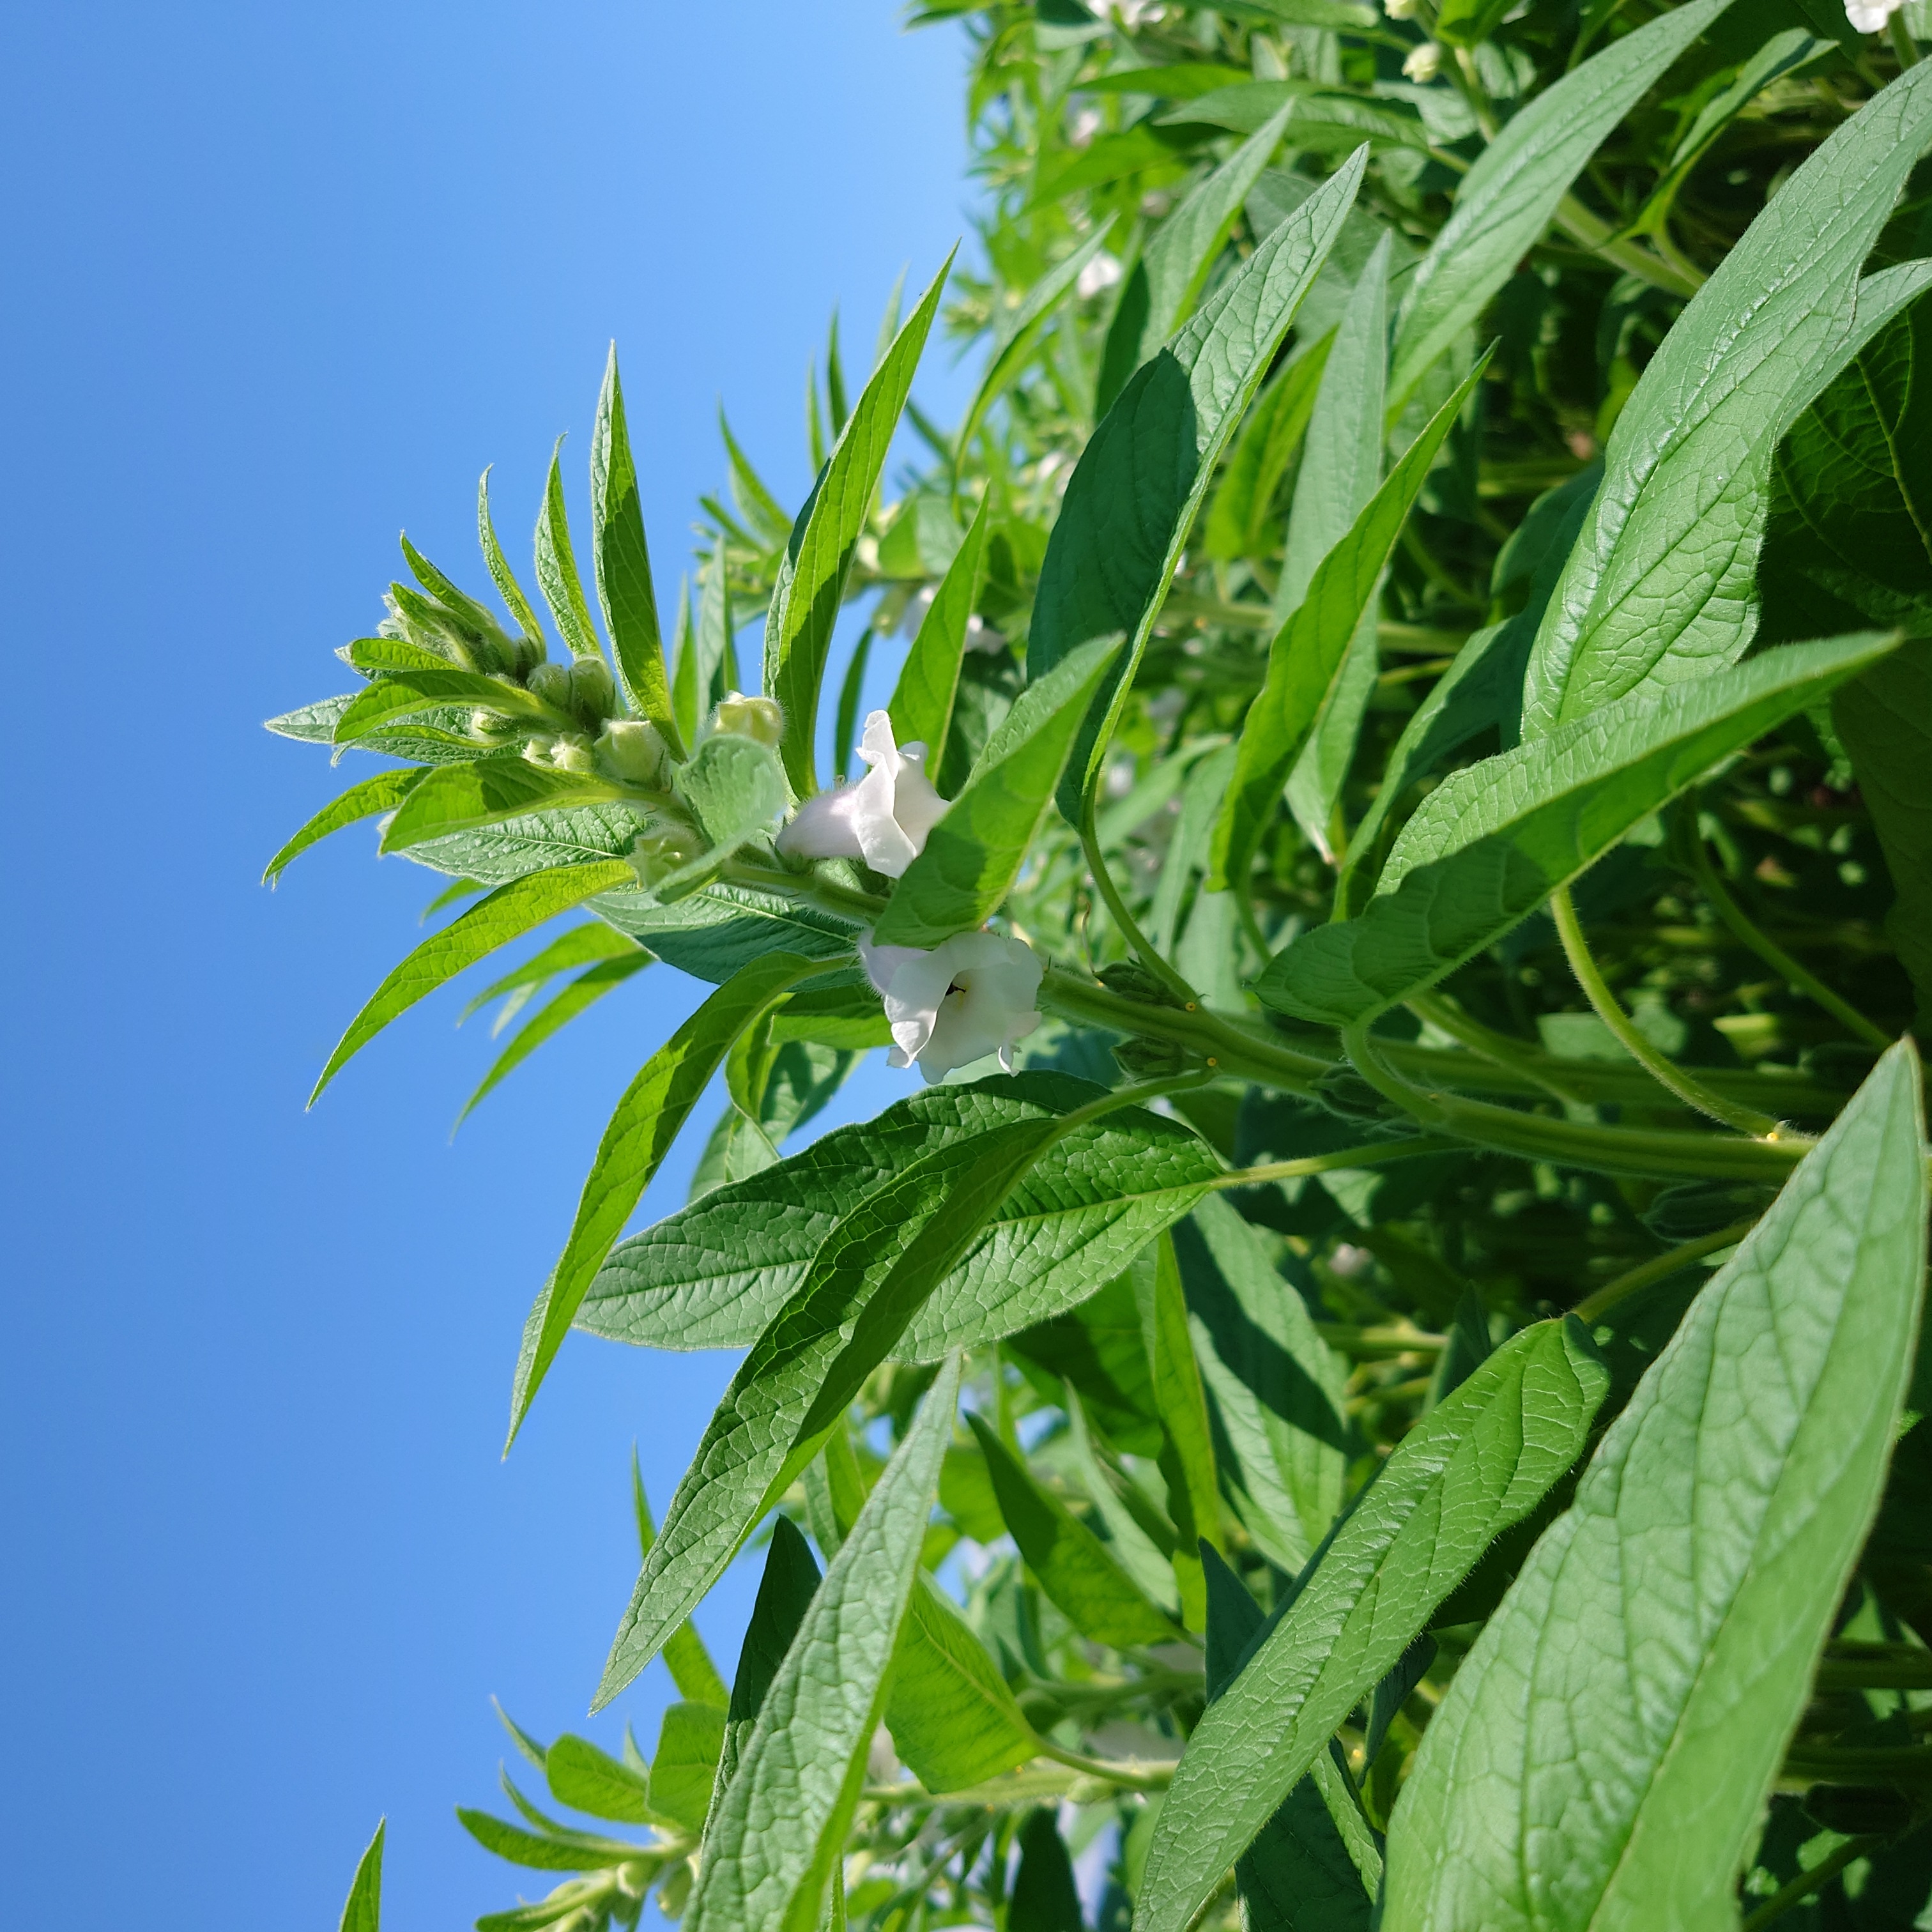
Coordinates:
column 630, row 748
column 1399, row 9
column 525, row 654
column 759, row 719
column 550, row 682
column 593, row 695
column 538, row 747
column 1869, row 16
column 490, row 724
column 1423, row 64
column 573, row 754
column 654, row 854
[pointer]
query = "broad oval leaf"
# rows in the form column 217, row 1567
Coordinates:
column 781, row 1824
column 1493, row 841
column 1477, row 1463
column 1602, row 1756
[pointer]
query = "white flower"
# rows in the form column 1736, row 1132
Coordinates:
column 1103, row 272
column 1086, row 123
column 1423, row 64
column 971, row 997
column 1869, row 16
column 1399, row 9
column 883, row 819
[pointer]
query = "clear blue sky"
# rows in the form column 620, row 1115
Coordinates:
column 281, row 281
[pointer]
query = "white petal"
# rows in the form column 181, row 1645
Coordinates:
column 916, row 805
column 824, row 827
column 882, row 962
column 882, row 840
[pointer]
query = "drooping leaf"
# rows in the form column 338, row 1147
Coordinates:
column 1074, row 1568
column 557, row 579
column 974, row 853
column 686, row 1763
column 458, row 798
column 571, row 1852
column 589, row 944
column 1494, row 840
column 781, row 1823
column 506, row 914
column 1659, row 588
column 1636, row 1691
column 1510, row 196
column 382, row 792
column 1133, row 498
column 364, row 1911
column 811, row 584
column 714, row 1275
column 641, row 1129
column 582, row 993
column 623, row 559
column 1468, row 1469
column 921, row 706
column 589, row 1780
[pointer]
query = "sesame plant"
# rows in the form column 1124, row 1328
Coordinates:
column 1372, row 1375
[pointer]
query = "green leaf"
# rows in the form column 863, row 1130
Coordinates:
column 1659, row 588
column 587, row 945
column 1674, row 1615
column 974, row 853
column 1167, row 280
column 921, row 707
column 1275, row 1389
column 811, row 584
column 782, row 1824
column 587, row 1780
column 382, row 792
column 952, row 1719
column 379, row 654
column 685, row 1655
column 1045, row 1898
column 711, row 644
column 1187, row 1460
column 1183, row 82
column 734, row 788
column 1507, row 200
column 1494, row 840
column 1241, row 522
column 1468, row 1469
column 364, row 1911
column 1301, row 1871
column 1075, row 1569
column 457, row 798
column 686, row 1763
column 1317, row 121
column 1885, row 718
column 875, row 1269
column 501, row 574
column 1133, row 498
column 714, row 1275
column 641, row 1130
column 557, row 567
column 582, row 993
column 1463, row 23
column 1309, row 651
column 405, row 693
column 623, row 559
column 1015, row 345
column 577, row 1852
column 508, row 913
column 426, row 743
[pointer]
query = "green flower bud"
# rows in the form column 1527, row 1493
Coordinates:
column 1132, row 981
column 1149, row 1059
column 525, row 654
column 593, row 693
column 630, row 749
column 573, row 754
column 758, row 718
column 655, row 854
column 538, row 747
column 490, row 724
column 550, row 682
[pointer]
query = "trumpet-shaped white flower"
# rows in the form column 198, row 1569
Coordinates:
column 973, row 996
column 883, row 819
column 1869, row 16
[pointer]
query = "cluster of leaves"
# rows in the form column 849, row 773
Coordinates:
column 1415, row 627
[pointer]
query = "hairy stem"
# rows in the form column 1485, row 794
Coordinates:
column 1660, row 1268
column 1806, row 1883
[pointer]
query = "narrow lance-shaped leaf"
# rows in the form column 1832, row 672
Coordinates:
column 685, row 1655
column 623, row 561
column 1074, row 1567
column 1509, row 197
column 507, row 913
column 382, row 792
column 1660, row 586
column 1186, row 1460
column 1308, row 650
column 1475, row 1464
column 1045, row 1897
column 501, row 574
column 641, row 1130
column 921, row 707
column 1494, row 840
column 781, row 1826
column 379, row 654
column 1238, row 523
column 589, row 1780
column 407, row 692
column 1133, row 497
column 811, row 583
column 974, row 853
column 875, row 1268
column 457, row 798
column 557, row 566
column 364, row 1911
column 577, row 1851
column 1632, row 1698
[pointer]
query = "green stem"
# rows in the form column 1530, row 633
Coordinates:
column 1376, row 1153
column 1660, row 1268
column 1903, row 44
column 1876, row 1666
column 1447, row 1017
column 1354, row 1340
column 1798, row 978
column 1599, row 237
column 1806, row 1883
column 1132, row 1777
column 1664, row 1070
column 1149, row 956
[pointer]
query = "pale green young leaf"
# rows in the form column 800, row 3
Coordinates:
column 952, row 1719
column 1510, row 196
column 382, row 792
column 685, row 1764
column 575, row 1853
column 715, row 1274
column 748, row 488
column 589, row 1780
column 458, row 798
column 921, row 707
column 1076, row 1569
column 811, row 586
column 1309, row 651
column 1477, row 1463
column 1660, row 586
column 714, row 663
column 1631, row 1700
column 557, row 566
column 685, row 705
column 734, row 788
column 1275, row 1389
column 473, row 616
column 501, row 574
column 404, row 694
column 1494, row 840
column 974, row 853
column 363, row 1912
column 875, row 1270
column 781, row 1823
column 506, row 914
column 641, row 1129
column 1133, row 497
column 381, row 654
column 623, row 561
